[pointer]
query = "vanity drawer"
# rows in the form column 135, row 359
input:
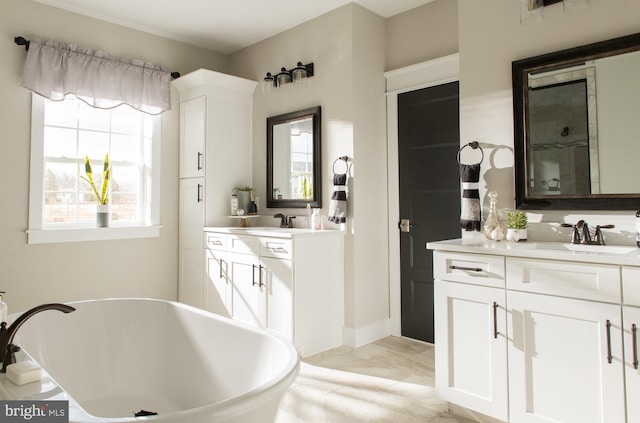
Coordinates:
column 631, row 285
column 477, row 269
column 215, row 241
column 276, row 247
column 243, row 244
column 566, row 279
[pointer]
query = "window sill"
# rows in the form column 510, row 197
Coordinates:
column 50, row 236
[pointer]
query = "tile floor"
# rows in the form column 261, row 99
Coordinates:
column 391, row 380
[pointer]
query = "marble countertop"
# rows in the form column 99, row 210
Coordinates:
column 272, row 231
column 605, row 254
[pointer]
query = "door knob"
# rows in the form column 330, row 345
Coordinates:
column 405, row 225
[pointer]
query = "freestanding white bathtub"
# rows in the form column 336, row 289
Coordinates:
column 113, row 358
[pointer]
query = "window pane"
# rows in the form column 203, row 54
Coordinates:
column 60, row 142
column 93, row 144
column 61, row 113
column 124, row 207
column 91, row 118
column 59, row 207
column 125, row 179
column 123, row 121
column 125, row 148
column 60, row 177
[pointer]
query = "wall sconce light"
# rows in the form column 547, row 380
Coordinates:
column 531, row 11
column 284, row 77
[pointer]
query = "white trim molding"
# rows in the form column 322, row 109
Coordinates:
column 422, row 75
column 358, row 337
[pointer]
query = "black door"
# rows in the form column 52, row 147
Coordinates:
column 428, row 141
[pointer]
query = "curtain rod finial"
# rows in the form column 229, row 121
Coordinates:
column 21, row 41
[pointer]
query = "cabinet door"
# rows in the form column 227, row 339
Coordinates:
column 565, row 360
column 191, row 263
column 249, row 289
column 192, row 137
column 631, row 319
column 219, row 292
column 471, row 350
column 279, row 283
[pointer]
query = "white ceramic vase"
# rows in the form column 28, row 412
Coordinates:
column 103, row 215
column 515, row 235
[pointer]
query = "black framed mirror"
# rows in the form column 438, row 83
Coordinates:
column 293, row 160
column 577, row 127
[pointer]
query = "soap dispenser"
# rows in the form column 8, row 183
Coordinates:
column 3, row 308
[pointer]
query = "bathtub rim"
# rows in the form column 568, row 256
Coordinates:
column 228, row 408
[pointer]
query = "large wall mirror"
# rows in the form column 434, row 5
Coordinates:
column 293, row 159
column 577, row 127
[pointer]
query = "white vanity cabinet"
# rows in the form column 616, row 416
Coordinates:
column 631, row 327
column 470, row 332
column 216, row 120
column 290, row 281
column 570, row 336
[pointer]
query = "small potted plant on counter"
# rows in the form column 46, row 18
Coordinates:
column 517, row 222
column 103, row 213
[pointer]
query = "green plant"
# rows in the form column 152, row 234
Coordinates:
column 517, row 219
column 244, row 188
column 306, row 188
column 103, row 195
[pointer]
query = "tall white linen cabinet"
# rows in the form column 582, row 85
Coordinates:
column 216, row 120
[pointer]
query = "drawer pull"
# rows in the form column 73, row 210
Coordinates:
column 253, row 275
column 216, row 242
column 278, row 250
column 470, row 269
column 260, row 284
column 495, row 320
column 609, row 357
column 634, row 336
column 221, row 262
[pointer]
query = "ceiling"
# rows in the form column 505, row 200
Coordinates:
column 220, row 25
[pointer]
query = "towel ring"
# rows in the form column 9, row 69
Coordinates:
column 346, row 163
column 474, row 145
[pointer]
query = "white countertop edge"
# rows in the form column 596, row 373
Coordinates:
column 534, row 250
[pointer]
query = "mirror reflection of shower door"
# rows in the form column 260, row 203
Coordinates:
column 563, row 148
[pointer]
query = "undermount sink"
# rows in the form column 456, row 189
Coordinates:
column 586, row 248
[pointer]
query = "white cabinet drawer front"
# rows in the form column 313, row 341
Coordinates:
column 243, row 244
column 275, row 247
column 631, row 285
column 476, row 269
column 215, row 241
column 566, row 279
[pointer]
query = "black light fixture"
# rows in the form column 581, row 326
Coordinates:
column 285, row 76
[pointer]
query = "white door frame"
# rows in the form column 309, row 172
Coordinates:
column 422, row 75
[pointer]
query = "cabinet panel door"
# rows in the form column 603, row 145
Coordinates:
column 631, row 319
column 219, row 293
column 191, row 290
column 248, row 288
column 559, row 369
column 471, row 350
column 191, row 213
column 192, row 137
column 279, row 283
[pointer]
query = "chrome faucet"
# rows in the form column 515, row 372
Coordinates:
column 585, row 237
column 7, row 334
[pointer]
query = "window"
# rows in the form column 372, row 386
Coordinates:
column 62, row 206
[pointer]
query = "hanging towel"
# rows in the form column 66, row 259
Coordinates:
column 338, row 204
column 470, row 205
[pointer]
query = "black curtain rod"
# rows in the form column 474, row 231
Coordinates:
column 21, row 41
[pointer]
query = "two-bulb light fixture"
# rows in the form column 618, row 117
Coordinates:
column 532, row 11
column 287, row 76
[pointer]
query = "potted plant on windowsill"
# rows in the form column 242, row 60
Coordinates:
column 103, row 212
column 517, row 222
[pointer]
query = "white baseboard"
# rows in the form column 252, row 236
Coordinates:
column 358, row 337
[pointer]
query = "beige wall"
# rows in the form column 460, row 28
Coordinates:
column 490, row 38
column 34, row 274
column 424, row 33
column 346, row 46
